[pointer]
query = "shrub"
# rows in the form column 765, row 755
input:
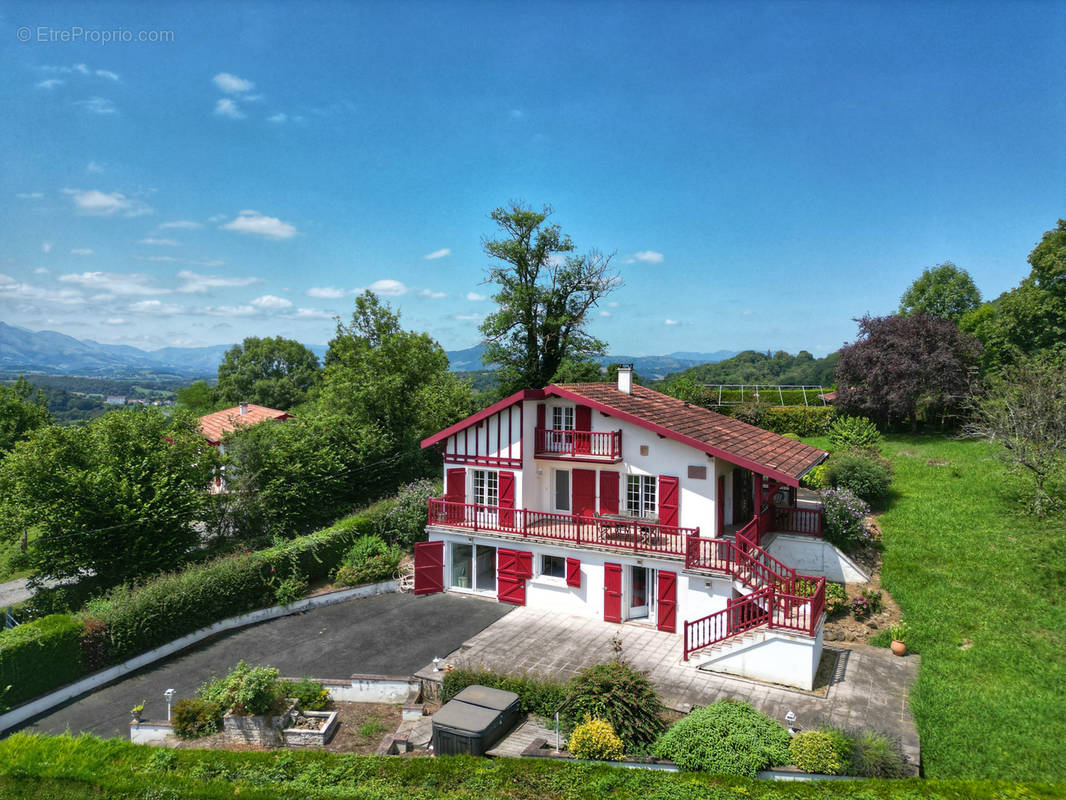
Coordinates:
column 405, row 521
column 815, row 479
column 370, row 559
column 843, row 514
column 620, row 695
column 817, row 752
column 800, row 420
column 855, row 433
column 194, row 717
column 836, row 599
column 290, row 589
column 869, row 477
column 875, row 756
column 38, row 656
column 595, row 739
column 245, row 690
column 727, row 737
column 310, row 694
column 536, row 696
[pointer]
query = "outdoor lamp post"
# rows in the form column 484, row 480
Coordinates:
column 436, row 664
column 169, row 695
column 790, row 718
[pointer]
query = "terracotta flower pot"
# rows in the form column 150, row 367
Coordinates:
column 899, row 648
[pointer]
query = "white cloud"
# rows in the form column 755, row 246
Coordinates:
column 468, row 317
column 254, row 222
column 195, row 283
column 114, row 321
column 227, row 108
column 104, row 73
column 181, row 223
column 649, row 256
column 670, row 322
column 310, row 313
column 271, row 301
column 474, row 296
column 103, row 204
column 18, row 290
column 30, row 195
column 41, row 271
column 97, row 105
column 325, row 292
column 84, row 70
column 388, row 287
column 444, row 251
column 163, row 242
column 156, row 307
column 231, row 84
column 605, row 313
column 81, row 251
column 229, row 311
column 46, row 247
column 51, row 83
column 517, row 113
column 114, row 283
column 613, row 304
column 432, row 295
column 278, row 118
column 92, row 166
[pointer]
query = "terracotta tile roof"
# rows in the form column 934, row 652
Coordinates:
column 738, row 442
column 216, row 426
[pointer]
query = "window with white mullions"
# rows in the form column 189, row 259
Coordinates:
column 486, row 488
column 640, row 495
column 563, row 418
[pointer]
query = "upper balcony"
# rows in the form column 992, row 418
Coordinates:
column 578, row 445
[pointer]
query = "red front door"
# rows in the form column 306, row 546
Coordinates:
column 667, row 601
column 612, row 592
column 429, row 567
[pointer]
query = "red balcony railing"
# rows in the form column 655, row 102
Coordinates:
column 635, row 534
column 563, row 443
column 790, row 519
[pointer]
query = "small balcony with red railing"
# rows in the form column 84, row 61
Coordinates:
column 603, row 446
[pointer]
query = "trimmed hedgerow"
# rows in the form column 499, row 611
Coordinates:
column 194, row 717
column 728, row 738
column 38, row 656
column 538, row 696
column 800, row 420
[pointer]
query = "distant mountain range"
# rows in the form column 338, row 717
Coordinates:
column 50, row 352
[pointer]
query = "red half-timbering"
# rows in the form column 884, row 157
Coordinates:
column 494, row 441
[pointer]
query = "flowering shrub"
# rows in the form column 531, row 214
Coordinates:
column 860, row 607
column 843, row 514
column 405, row 522
column 596, row 739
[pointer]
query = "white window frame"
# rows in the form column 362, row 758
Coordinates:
column 547, row 575
column 485, row 486
column 562, row 418
column 569, row 492
column 641, row 495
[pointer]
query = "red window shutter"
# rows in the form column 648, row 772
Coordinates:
column 506, row 561
column 667, row 601
column 582, row 418
column 668, row 500
column 719, row 504
column 584, row 490
column 524, row 564
column 429, row 567
column 573, row 573
column 612, row 592
column 542, row 415
column 455, row 495
column 506, row 487
column 608, row 492
column 512, row 569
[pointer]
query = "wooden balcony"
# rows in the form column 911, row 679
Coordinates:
column 633, row 535
column 578, row 445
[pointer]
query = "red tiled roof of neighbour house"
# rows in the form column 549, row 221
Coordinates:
column 766, row 453
column 215, row 426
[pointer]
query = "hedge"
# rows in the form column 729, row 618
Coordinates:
column 38, row 656
column 55, row 767
column 800, row 420
column 538, row 696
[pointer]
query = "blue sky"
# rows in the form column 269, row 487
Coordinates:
column 764, row 172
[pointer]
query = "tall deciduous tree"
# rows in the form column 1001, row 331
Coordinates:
column 943, row 291
column 545, row 293
column 117, row 498
column 22, row 411
column 1023, row 411
column 901, row 368
column 274, row 372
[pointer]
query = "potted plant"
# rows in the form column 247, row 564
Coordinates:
column 137, row 712
column 898, row 632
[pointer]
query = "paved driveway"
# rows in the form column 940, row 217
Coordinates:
column 392, row 634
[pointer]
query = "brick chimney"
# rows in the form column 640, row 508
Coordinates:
column 625, row 378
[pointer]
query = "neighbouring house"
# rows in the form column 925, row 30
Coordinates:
column 618, row 501
column 216, row 426
column 114, row 400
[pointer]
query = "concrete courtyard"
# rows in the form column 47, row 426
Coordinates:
column 868, row 689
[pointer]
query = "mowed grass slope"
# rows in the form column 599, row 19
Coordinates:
column 983, row 589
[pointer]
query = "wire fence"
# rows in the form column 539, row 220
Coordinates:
column 781, row 394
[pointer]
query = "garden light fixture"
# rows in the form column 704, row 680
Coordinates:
column 169, row 695
column 790, row 718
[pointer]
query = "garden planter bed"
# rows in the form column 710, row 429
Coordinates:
column 310, row 729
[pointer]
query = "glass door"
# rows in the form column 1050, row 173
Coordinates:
column 639, row 592
column 473, row 568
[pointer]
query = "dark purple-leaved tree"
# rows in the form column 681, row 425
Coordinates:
column 903, row 368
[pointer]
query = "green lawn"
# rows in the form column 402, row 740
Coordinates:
column 982, row 586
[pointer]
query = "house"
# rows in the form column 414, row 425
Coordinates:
column 618, row 501
column 216, row 426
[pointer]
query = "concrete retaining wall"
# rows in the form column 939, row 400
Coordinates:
column 27, row 711
column 151, row 732
column 815, row 557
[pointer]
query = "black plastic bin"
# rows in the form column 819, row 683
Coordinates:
column 474, row 721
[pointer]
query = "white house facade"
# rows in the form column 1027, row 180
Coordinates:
column 619, row 502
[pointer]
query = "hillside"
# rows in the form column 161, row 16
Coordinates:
column 753, row 367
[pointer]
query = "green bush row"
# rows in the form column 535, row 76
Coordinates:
column 538, row 696
column 38, row 656
column 67, row 768
column 800, row 420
